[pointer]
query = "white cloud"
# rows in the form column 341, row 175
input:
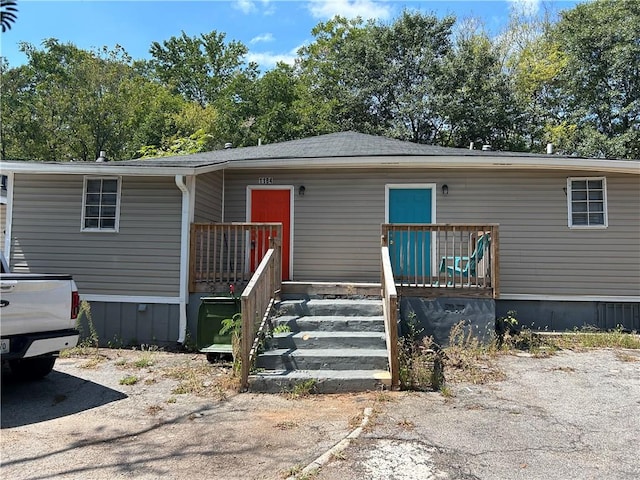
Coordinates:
column 527, row 7
column 246, row 6
column 268, row 60
column 265, row 37
column 367, row 9
column 251, row 6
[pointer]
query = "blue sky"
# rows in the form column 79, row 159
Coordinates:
column 272, row 29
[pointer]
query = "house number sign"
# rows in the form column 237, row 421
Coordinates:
column 265, row 180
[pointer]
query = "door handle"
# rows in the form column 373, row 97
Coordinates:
column 7, row 287
column 4, row 303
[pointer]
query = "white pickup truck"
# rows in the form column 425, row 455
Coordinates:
column 38, row 315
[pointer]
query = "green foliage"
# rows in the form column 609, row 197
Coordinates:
column 233, row 325
column 302, row 389
column 200, row 67
column 145, row 360
column 476, row 85
column 571, row 80
column 69, row 104
column 282, row 328
column 600, row 82
column 506, row 326
column 200, row 141
column 90, row 338
column 420, row 360
column 590, row 338
column 129, row 380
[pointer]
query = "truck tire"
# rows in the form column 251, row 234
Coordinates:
column 32, row 368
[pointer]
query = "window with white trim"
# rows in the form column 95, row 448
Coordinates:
column 101, row 204
column 587, row 201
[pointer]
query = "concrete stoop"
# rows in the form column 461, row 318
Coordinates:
column 333, row 345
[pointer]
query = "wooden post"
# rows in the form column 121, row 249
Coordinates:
column 248, row 312
column 495, row 261
column 192, row 259
column 393, row 341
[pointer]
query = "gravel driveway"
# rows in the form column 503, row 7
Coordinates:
column 572, row 415
column 81, row 423
column 568, row 416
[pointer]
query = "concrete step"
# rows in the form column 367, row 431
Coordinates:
column 331, row 323
column 320, row 381
column 326, row 339
column 331, row 307
column 293, row 289
column 324, row 359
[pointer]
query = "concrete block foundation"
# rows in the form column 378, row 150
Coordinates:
column 436, row 316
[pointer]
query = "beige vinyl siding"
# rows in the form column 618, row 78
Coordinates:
column 337, row 225
column 208, row 201
column 142, row 258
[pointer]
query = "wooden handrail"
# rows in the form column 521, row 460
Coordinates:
column 256, row 302
column 390, row 310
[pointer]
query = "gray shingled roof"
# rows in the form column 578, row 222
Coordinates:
column 333, row 145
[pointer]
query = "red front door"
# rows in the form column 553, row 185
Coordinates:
column 272, row 206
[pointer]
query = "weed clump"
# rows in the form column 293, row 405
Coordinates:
column 302, row 389
column 426, row 366
column 420, row 360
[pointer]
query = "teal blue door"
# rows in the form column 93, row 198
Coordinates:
column 410, row 251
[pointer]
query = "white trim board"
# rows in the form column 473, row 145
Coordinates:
column 130, row 299
column 569, row 298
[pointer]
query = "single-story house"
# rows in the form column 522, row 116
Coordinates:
column 569, row 227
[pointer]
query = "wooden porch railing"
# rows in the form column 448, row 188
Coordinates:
column 448, row 259
column 390, row 310
column 257, row 300
column 227, row 253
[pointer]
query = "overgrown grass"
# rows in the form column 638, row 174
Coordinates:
column 420, row 360
column 202, row 380
column 467, row 359
column 88, row 345
column 585, row 339
column 144, row 361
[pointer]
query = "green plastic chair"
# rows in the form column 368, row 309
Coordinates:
column 465, row 266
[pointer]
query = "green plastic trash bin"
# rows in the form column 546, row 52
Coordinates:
column 213, row 310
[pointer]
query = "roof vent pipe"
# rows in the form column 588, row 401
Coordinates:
column 102, row 157
column 486, row 148
column 471, row 146
column 228, row 145
column 549, row 148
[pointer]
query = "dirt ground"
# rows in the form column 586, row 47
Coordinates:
column 572, row 415
column 80, row 422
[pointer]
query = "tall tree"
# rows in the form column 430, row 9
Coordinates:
column 275, row 95
column 601, row 80
column 411, row 90
column 69, row 104
column 378, row 78
column 326, row 101
column 479, row 104
column 199, row 67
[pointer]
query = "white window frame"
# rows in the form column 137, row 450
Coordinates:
column 605, row 223
column 116, row 227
